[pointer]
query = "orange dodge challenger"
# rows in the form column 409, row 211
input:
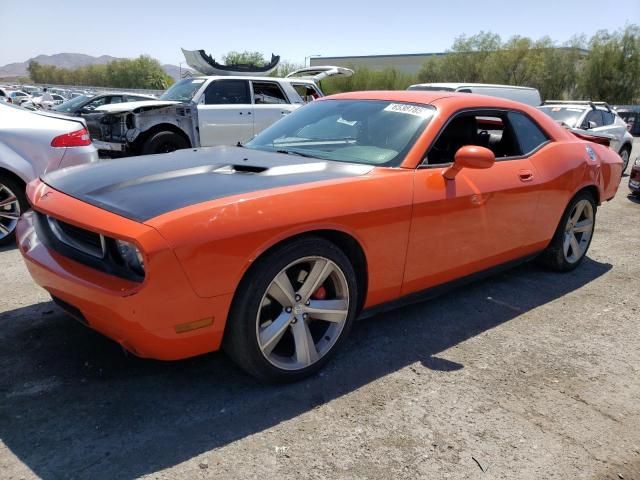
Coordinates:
column 271, row 249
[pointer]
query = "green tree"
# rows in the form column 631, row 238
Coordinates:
column 244, row 58
column 612, row 68
column 141, row 72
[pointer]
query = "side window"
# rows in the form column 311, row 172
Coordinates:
column 528, row 134
column 594, row 116
column 268, row 92
column 227, row 92
column 486, row 129
column 308, row 93
column 116, row 99
column 98, row 102
column 608, row 118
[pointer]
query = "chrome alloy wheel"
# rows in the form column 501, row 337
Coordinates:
column 578, row 231
column 9, row 211
column 302, row 313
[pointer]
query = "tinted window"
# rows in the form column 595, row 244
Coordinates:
column 528, row 134
column 116, row 99
column 594, row 116
column 268, row 92
column 98, row 102
column 227, row 92
column 608, row 118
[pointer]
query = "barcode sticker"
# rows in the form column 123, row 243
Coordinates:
column 409, row 109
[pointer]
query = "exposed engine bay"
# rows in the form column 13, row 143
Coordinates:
column 125, row 131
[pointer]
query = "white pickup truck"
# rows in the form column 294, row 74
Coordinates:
column 204, row 112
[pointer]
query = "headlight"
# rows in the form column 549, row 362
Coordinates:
column 637, row 162
column 131, row 256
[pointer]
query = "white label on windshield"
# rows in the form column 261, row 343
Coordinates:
column 197, row 80
column 409, row 109
column 574, row 110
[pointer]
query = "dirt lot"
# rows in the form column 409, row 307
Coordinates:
column 527, row 375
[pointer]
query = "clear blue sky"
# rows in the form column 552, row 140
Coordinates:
column 290, row 29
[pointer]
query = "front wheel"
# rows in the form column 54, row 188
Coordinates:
column 293, row 311
column 573, row 235
column 164, row 142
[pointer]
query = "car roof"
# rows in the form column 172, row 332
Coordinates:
column 239, row 77
column 428, row 97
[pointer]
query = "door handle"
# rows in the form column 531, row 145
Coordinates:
column 525, row 175
column 285, row 113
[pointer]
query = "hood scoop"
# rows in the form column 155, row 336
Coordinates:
column 246, row 169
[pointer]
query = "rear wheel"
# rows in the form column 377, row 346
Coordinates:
column 13, row 202
column 293, row 311
column 573, row 235
column 164, row 142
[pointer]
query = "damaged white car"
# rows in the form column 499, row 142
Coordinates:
column 204, row 111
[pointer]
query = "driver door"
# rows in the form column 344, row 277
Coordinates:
column 482, row 218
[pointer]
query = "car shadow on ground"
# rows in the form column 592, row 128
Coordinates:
column 6, row 248
column 73, row 404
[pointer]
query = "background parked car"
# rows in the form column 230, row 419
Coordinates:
column 597, row 117
column 631, row 115
column 528, row 95
column 88, row 103
column 18, row 96
column 31, row 144
column 634, row 178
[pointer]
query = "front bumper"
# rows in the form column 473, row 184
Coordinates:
column 147, row 319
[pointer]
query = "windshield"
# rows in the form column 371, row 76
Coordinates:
column 361, row 131
column 184, row 90
column 567, row 115
column 71, row 104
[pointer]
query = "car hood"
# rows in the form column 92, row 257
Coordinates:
column 131, row 106
column 141, row 188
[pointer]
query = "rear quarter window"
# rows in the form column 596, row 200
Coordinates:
column 530, row 136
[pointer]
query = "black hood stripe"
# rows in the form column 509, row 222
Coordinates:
column 140, row 188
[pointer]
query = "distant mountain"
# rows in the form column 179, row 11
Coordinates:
column 71, row 60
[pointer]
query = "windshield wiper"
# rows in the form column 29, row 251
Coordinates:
column 295, row 152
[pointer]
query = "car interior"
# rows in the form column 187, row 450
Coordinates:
column 488, row 132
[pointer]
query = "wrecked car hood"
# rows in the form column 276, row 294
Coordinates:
column 131, row 106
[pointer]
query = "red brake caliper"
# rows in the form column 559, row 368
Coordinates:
column 320, row 294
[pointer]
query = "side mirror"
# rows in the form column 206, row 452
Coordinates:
column 470, row 156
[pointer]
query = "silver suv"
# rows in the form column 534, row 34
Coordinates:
column 596, row 117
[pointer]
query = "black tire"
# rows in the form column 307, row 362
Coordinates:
column 625, row 158
column 240, row 340
column 164, row 142
column 553, row 256
column 17, row 188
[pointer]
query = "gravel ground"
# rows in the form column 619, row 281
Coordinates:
column 526, row 375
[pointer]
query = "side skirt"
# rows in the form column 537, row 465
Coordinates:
column 438, row 290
